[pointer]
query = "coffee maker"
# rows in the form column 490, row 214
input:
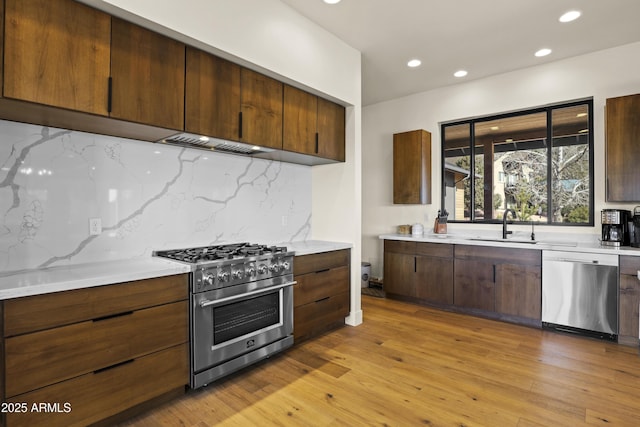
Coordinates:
column 615, row 227
column 634, row 228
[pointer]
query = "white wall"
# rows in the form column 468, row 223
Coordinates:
column 601, row 75
column 270, row 37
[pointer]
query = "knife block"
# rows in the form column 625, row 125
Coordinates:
column 439, row 228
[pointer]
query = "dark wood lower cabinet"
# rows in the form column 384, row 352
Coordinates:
column 629, row 300
column 92, row 355
column 321, row 296
column 495, row 282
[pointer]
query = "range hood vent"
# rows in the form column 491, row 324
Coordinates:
column 214, row 144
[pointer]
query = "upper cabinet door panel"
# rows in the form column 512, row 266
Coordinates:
column 148, row 72
column 331, row 130
column 212, row 101
column 623, row 149
column 57, row 53
column 412, row 167
column 261, row 107
column 300, row 118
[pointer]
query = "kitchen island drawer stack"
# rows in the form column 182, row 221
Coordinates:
column 91, row 354
column 629, row 300
column 321, row 295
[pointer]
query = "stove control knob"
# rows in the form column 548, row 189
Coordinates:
column 284, row 266
column 251, row 271
column 238, row 274
column 223, row 276
column 274, row 268
column 208, row 279
column 262, row 269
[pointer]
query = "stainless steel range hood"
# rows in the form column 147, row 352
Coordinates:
column 214, row 144
column 201, row 142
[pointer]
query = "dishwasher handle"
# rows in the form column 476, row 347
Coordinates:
column 575, row 261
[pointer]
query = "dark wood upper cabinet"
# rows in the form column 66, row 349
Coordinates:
column 623, row 148
column 261, row 107
column 148, row 73
column 212, row 96
column 331, row 130
column 313, row 125
column 412, row 167
column 300, row 121
column 57, row 53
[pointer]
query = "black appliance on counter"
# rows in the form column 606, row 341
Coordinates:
column 634, row 228
column 241, row 306
column 615, row 227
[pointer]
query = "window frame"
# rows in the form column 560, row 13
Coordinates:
column 548, row 109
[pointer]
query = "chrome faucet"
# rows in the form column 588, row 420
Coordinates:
column 504, row 222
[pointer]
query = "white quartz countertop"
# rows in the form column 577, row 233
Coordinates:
column 63, row 278
column 15, row 284
column 561, row 243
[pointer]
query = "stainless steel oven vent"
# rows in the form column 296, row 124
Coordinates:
column 214, row 144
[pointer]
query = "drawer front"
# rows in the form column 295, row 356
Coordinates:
column 98, row 395
column 439, row 250
column 42, row 358
column 316, row 317
column 316, row 262
column 39, row 312
column 400, row 247
column 500, row 255
column 316, row 286
column 629, row 265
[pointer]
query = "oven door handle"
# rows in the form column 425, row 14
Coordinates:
column 207, row 303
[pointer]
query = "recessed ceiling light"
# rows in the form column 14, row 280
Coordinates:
column 414, row 63
column 572, row 15
column 581, row 115
column 331, row 1
column 543, row 52
column 460, row 73
column 495, row 127
column 583, row 131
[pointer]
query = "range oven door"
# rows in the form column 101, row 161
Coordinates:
column 234, row 327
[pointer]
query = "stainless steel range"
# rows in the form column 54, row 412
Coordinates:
column 241, row 308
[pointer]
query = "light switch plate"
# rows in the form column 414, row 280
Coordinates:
column 95, row 226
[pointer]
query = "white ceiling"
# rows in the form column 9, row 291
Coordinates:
column 484, row 37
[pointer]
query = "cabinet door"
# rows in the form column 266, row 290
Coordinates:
column 148, row 72
column 57, row 53
column 300, row 121
column 519, row 290
column 434, row 279
column 400, row 274
column 212, row 96
column 474, row 284
column 261, row 107
column 331, row 130
column 629, row 300
column 412, row 167
column 622, row 155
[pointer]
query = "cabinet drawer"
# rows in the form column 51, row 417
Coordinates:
column 440, row 250
column 98, row 395
column 629, row 265
column 39, row 312
column 316, row 286
column 400, row 247
column 500, row 255
column 46, row 357
column 316, row 317
column 316, row 262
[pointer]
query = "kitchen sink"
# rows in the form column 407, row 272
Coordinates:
column 485, row 239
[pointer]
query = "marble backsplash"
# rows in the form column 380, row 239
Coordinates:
column 147, row 196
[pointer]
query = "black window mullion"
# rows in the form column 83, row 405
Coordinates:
column 549, row 165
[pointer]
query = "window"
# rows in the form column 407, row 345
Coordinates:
column 537, row 162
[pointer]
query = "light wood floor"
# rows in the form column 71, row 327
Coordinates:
column 408, row 365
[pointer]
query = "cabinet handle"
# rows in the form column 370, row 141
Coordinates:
column 494, row 273
column 317, row 142
column 111, row 316
column 240, row 125
column 109, row 94
column 415, row 264
column 113, row 366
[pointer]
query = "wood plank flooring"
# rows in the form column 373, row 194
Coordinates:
column 408, row 365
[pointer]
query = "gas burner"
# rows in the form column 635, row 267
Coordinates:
column 207, row 254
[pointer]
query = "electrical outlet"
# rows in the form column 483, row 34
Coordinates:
column 95, row 226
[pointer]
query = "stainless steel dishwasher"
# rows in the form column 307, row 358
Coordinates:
column 580, row 293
